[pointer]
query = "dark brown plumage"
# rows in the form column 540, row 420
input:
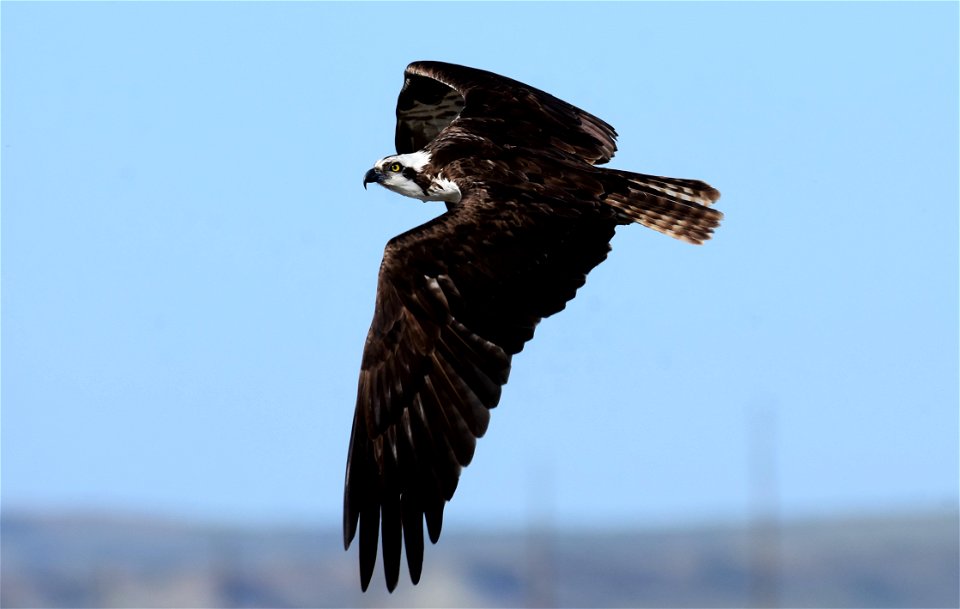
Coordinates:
column 458, row 296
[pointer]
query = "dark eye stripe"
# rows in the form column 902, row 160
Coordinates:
column 409, row 173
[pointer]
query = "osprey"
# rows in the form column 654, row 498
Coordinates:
column 529, row 214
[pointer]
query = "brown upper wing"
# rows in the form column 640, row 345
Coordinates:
column 499, row 108
column 456, row 298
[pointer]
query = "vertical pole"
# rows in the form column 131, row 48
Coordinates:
column 764, row 530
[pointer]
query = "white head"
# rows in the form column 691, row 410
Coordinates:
column 410, row 175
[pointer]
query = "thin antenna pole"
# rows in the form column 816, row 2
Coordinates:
column 765, row 527
column 540, row 577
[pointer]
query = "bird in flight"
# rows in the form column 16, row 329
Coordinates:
column 529, row 214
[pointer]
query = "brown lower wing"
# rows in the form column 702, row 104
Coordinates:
column 457, row 297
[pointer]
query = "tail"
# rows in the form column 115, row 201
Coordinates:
column 672, row 206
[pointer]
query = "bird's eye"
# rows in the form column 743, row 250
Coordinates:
column 395, row 167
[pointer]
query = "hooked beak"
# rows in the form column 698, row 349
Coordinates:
column 371, row 176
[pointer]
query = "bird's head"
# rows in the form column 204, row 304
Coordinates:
column 411, row 176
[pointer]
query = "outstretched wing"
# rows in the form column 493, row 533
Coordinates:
column 494, row 107
column 456, row 298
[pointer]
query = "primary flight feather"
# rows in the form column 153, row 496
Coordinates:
column 529, row 214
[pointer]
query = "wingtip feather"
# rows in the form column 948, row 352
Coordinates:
column 369, row 537
column 434, row 517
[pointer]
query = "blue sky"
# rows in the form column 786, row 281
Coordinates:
column 189, row 260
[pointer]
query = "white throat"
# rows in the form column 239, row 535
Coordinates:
column 442, row 189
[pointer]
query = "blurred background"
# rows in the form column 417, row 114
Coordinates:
column 189, row 265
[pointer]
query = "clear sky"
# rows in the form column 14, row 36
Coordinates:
column 189, row 259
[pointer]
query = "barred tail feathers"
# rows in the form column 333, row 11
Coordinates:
column 673, row 206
